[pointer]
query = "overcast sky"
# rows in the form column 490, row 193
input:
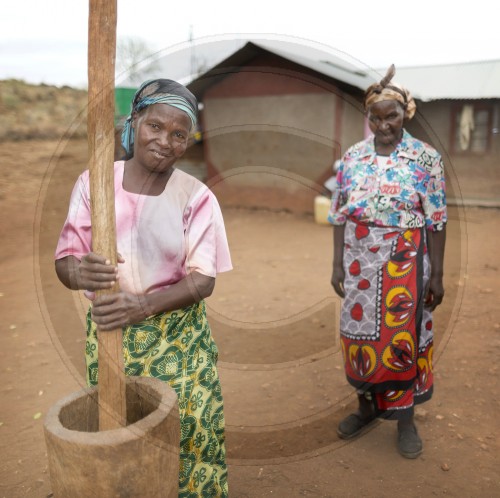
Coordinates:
column 46, row 40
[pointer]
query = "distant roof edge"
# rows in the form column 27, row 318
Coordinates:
column 466, row 80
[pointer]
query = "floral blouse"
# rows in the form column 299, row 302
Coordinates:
column 406, row 190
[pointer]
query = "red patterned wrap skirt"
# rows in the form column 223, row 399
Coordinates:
column 386, row 331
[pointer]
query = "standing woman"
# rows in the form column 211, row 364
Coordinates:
column 172, row 243
column 389, row 217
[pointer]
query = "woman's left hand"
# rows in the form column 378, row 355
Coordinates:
column 114, row 311
column 435, row 293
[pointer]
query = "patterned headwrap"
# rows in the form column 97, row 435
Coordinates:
column 159, row 91
column 385, row 90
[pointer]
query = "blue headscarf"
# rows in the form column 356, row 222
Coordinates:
column 160, row 91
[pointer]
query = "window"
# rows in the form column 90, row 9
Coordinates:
column 471, row 127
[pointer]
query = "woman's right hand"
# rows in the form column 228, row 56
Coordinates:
column 95, row 272
column 338, row 276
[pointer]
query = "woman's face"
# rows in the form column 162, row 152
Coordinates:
column 385, row 119
column 161, row 136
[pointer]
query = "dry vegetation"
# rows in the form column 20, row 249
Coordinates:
column 41, row 111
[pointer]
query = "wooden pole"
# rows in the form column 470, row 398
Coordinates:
column 100, row 127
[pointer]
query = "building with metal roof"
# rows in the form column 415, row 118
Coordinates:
column 294, row 107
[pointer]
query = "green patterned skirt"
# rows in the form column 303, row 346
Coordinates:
column 177, row 347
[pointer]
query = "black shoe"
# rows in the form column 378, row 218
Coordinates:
column 409, row 442
column 354, row 425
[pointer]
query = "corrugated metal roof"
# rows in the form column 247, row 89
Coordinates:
column 471, row 80
column 323, row 62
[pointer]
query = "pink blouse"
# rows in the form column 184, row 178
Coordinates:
column 162, row 238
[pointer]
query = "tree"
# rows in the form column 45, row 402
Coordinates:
column 135, row 60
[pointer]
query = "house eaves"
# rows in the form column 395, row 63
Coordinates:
column 467, row 81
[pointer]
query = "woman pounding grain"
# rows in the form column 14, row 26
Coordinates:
column 172, row 243
column 389, row 217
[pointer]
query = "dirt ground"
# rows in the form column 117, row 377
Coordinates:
column 274, row 318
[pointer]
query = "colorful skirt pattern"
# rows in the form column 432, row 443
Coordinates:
column 177, row 347
column 386, row 332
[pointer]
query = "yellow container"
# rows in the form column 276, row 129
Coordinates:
column 321, row 208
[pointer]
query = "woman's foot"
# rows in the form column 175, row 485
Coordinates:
column 356, row 423
column 409, row 442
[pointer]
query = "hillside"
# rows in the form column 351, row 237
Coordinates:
column 41, row 111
